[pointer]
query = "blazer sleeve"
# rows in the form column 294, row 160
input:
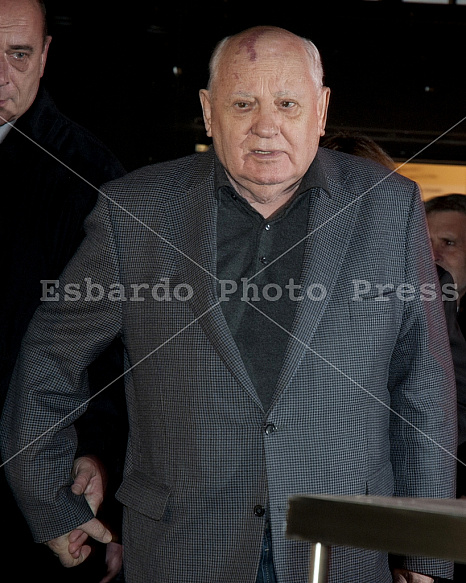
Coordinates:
column 49, row 388
column 423, row 425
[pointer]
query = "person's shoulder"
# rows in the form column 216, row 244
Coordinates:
column 179, row 175
column 73, row 144
column 356, row 172
column 81, row 146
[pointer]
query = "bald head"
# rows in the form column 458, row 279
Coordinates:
column 43, row 11
column 251, row 40
column 38, row 5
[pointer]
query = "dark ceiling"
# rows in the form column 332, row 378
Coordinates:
column 396, row 70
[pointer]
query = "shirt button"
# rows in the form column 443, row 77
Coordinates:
column 267, row 227
column 263, row 260
column 259, row 510
column 269, row 428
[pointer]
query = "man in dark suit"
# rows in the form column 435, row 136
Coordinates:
column 271, row 300
column 50, row 170
column 446, row 217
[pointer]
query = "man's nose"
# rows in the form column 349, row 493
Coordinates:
column 266, row 124
column 437, row 251
column 4, row 71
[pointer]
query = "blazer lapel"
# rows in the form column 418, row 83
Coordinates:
column 331, row 221
column 194, row 223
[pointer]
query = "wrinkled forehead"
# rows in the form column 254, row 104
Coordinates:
column 258, row 60
column 447, row 219
column 254, row 45
column 22, row 18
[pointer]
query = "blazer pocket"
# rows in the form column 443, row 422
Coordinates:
column 139, row 492
column 380, row 483
column 372, row 306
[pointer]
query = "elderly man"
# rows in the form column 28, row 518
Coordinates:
column 283, row 334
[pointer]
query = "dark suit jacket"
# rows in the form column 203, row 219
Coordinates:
column 50, row 170
column 458, row 350
column 364, row 404
column 43, row 161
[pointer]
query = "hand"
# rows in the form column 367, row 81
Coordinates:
column 403, row 576
column 70, row 547
column 89, row 479
column 114, row 560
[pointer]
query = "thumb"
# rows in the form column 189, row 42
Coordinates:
column 95, row 529
column 83, row 475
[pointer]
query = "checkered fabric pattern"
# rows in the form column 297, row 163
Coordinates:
column 365, row 402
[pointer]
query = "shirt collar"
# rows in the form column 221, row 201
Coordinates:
column 4, row 129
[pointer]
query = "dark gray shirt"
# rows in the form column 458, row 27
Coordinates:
column 257, row 261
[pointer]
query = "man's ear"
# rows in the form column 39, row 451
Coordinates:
column 323, row 108
column 204, row 96
column 45, row 52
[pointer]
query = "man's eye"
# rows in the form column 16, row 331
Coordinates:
column 241, row 104
column 448, row 242
column 288, row 104
column 19, row 56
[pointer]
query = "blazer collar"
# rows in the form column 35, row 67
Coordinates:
column 330, row 224
column 194, row 224
column 331, row 219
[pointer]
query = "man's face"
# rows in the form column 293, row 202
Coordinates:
column 22, row 56
column 448, row 235
column 264, row 113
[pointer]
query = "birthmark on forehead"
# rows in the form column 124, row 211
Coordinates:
column 249, row 43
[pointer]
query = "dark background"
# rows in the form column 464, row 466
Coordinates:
column 396, row 70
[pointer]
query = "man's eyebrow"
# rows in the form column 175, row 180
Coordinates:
column 29, row 48
column 290, row 94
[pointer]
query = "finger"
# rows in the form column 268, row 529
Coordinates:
column 111, row 574
column 75, row 535
column 97, row 531
column 75, row 546
column 82, row 555
column 68, row 560
column 81, row 482
column 114, row 560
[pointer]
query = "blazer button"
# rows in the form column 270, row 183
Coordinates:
column 259, row 510
column 269, row 428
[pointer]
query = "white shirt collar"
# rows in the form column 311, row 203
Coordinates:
column 4, row 129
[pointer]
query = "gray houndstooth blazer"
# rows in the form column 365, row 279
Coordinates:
column 365, row 402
